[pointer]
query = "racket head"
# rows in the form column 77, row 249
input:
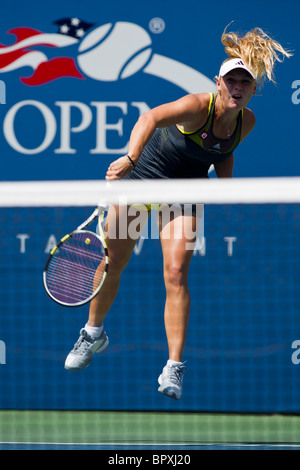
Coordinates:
column 76, row 268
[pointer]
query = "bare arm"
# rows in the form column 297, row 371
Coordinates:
column 185, row 110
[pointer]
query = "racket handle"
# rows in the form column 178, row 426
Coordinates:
column 103, row 205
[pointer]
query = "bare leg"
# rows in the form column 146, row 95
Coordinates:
column 177, row 249
column 120, row 246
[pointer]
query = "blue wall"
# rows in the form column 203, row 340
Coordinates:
column 245, row 305
column 191, row 37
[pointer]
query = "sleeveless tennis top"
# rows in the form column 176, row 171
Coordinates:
column 173, row 153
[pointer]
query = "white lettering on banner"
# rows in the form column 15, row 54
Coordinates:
column 66, row 129
column 22, row 237
column 9, row 131
column 230, row 241
column 102, row 127
column 52, row 242
column 2, row 352
column 139, row 245
column 200, row 248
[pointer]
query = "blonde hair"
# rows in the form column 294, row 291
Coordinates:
column 258, row 51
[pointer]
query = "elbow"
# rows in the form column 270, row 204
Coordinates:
column 146, row 121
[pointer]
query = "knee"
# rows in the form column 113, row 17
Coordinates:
column 116, row 265
column 175, row 276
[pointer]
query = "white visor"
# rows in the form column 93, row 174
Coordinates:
column 233, row 64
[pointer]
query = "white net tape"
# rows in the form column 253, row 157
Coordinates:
column 207, row 191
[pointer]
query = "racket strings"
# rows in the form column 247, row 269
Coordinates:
column 75, row 287
column 74, row 250
column 76, row 269
column 67, row 267
column 63, row 276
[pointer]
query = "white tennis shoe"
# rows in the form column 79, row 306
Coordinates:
column 171, row 379
column 84, row 349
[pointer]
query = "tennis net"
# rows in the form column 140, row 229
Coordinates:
column 243, row 342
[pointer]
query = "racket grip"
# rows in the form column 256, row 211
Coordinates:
column 103, row 205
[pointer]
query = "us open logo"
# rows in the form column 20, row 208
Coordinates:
column 84, row 50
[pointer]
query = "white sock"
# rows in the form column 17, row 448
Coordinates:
column 94, row 331
column 171, row 362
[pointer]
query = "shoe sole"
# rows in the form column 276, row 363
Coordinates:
column 102, row 347
column 168, row 391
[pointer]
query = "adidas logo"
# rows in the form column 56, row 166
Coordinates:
column 216, row 148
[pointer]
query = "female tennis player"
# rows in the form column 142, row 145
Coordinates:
column 181, row 139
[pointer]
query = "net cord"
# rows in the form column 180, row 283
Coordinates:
column 92, row 192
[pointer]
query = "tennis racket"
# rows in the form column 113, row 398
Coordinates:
column 77, row 267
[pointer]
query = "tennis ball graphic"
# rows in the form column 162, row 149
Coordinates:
column 114, row 51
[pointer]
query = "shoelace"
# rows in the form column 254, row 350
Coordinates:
column 82, row 344
column 175, row 373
